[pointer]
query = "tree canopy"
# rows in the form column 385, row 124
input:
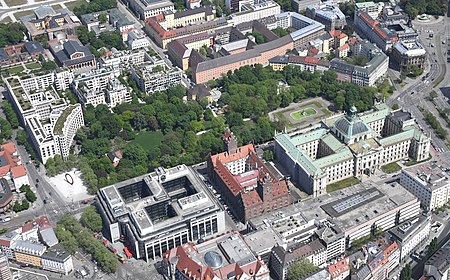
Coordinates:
column 11, row 33
column 91, row 219
column 300, row 269
column 95, row 6
column 406, row 273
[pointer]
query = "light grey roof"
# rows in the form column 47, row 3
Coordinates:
column 213, row 259
column 49, row 237
column 43, row 11
column 30, row 248
column 57, row 254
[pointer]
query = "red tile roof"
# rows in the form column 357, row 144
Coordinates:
column 339, row 268
column 7, row 151
column 4, row 242
column 18, row 171
column 344, row 47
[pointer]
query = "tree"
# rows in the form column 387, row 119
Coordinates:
column 10, row 114
column 66, row 239
column 49, row 65
column 406, row 273
column 433, row 247
column 25, row 204
column 5, row 129
column 395, row 106
column 268, row 155
column 300, row 269
column 102, row 18
column 91, row 219
column 30, row 196
column 11, row 33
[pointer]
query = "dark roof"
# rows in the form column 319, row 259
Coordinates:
column 199, row 91
column 5, row 192
column 206, row 9
column 72, row 47
column 33, row 47
column 341, row 66
column 56, row 253
column 279, row 59
column 401, row 116
column 53, row 24
column 3, row 161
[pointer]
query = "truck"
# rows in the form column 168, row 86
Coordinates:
column 109, row 246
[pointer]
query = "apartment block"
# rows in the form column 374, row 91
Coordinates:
column 150, row 77
column 327, row 13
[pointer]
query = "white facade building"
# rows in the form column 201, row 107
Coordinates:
column 40, row 109
column 410, row 234
column 429, row 183
column 148, row 8
column 137, row 40
column 150, row 80
column 350, row 145
column 122, row 60
column 57, row 260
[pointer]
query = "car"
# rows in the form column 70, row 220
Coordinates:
column 24, row 265
column 55, row 211
column 6, row 219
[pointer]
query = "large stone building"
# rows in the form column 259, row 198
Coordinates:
column 429, row 183
column 438, row 265
column 160, row 211
column 246, row 184
column 408, row 53
column 145, row 9
column 349, row 145
column 223, row 257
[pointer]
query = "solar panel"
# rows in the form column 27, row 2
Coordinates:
column 354, row 201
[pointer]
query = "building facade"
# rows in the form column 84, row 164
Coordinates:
column 5, row 272
column 350, row 145
column 429, row 183
column 327, row 13
column 408, row 53
column 142, row 212
column 150, row 79
column 246, row 184
column 57, row 260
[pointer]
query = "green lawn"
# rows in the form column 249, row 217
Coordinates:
column 72, row 5
column 148, row 139
column 342, row 184
column 6, row 20
column 33, row 65
column 413, row 162
column 15, row 70
column 22, row 13
column 11, row 3
column 391, row 167
column 303, row 113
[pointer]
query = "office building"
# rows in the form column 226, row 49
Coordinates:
column 121, row 60
column 160, row 211
column 223, row 257
column 145, row 9
column 408, row 53
column 429, row 183
column 306, row 63
column 371, row 8
column 327, row 13
column 58, row 260
column 137, row 40
column 247, row 185
column 349, row 145
column 151, row 77
column 374, row 31
column 410, row 235
column 5, row 272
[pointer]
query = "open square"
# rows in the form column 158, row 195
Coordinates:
column 70, row 192
column 299, row 115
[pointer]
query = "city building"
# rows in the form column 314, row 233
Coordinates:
column 438, row 266
column 282, row 258
column 50, row 122
column 5, row 272
column 145, row 9
column 410, row 235
column 47, row 22
column 247, row 185
column 374, row 31
column 320, row 274
column 115, row 20
column 371, row 8
column 340, row 270
column 143, row 212
column 429, row 183
column 152, row 77
column 406, row 54
column 6, row 195
column 224, row 257
column 306, row 63
column 381, row 258
column 29, row 253
column 305, row 28
column 121, row 60
column 101, row 86
column 58, row 260
column 327, row 13
column 137, row 40
column 366, row 75
column 72, row 54
column 11, row 167
column 193, row 4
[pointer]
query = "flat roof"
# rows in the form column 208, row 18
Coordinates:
column 429, row 175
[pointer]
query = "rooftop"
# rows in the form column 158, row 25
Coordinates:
column 428, row 175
